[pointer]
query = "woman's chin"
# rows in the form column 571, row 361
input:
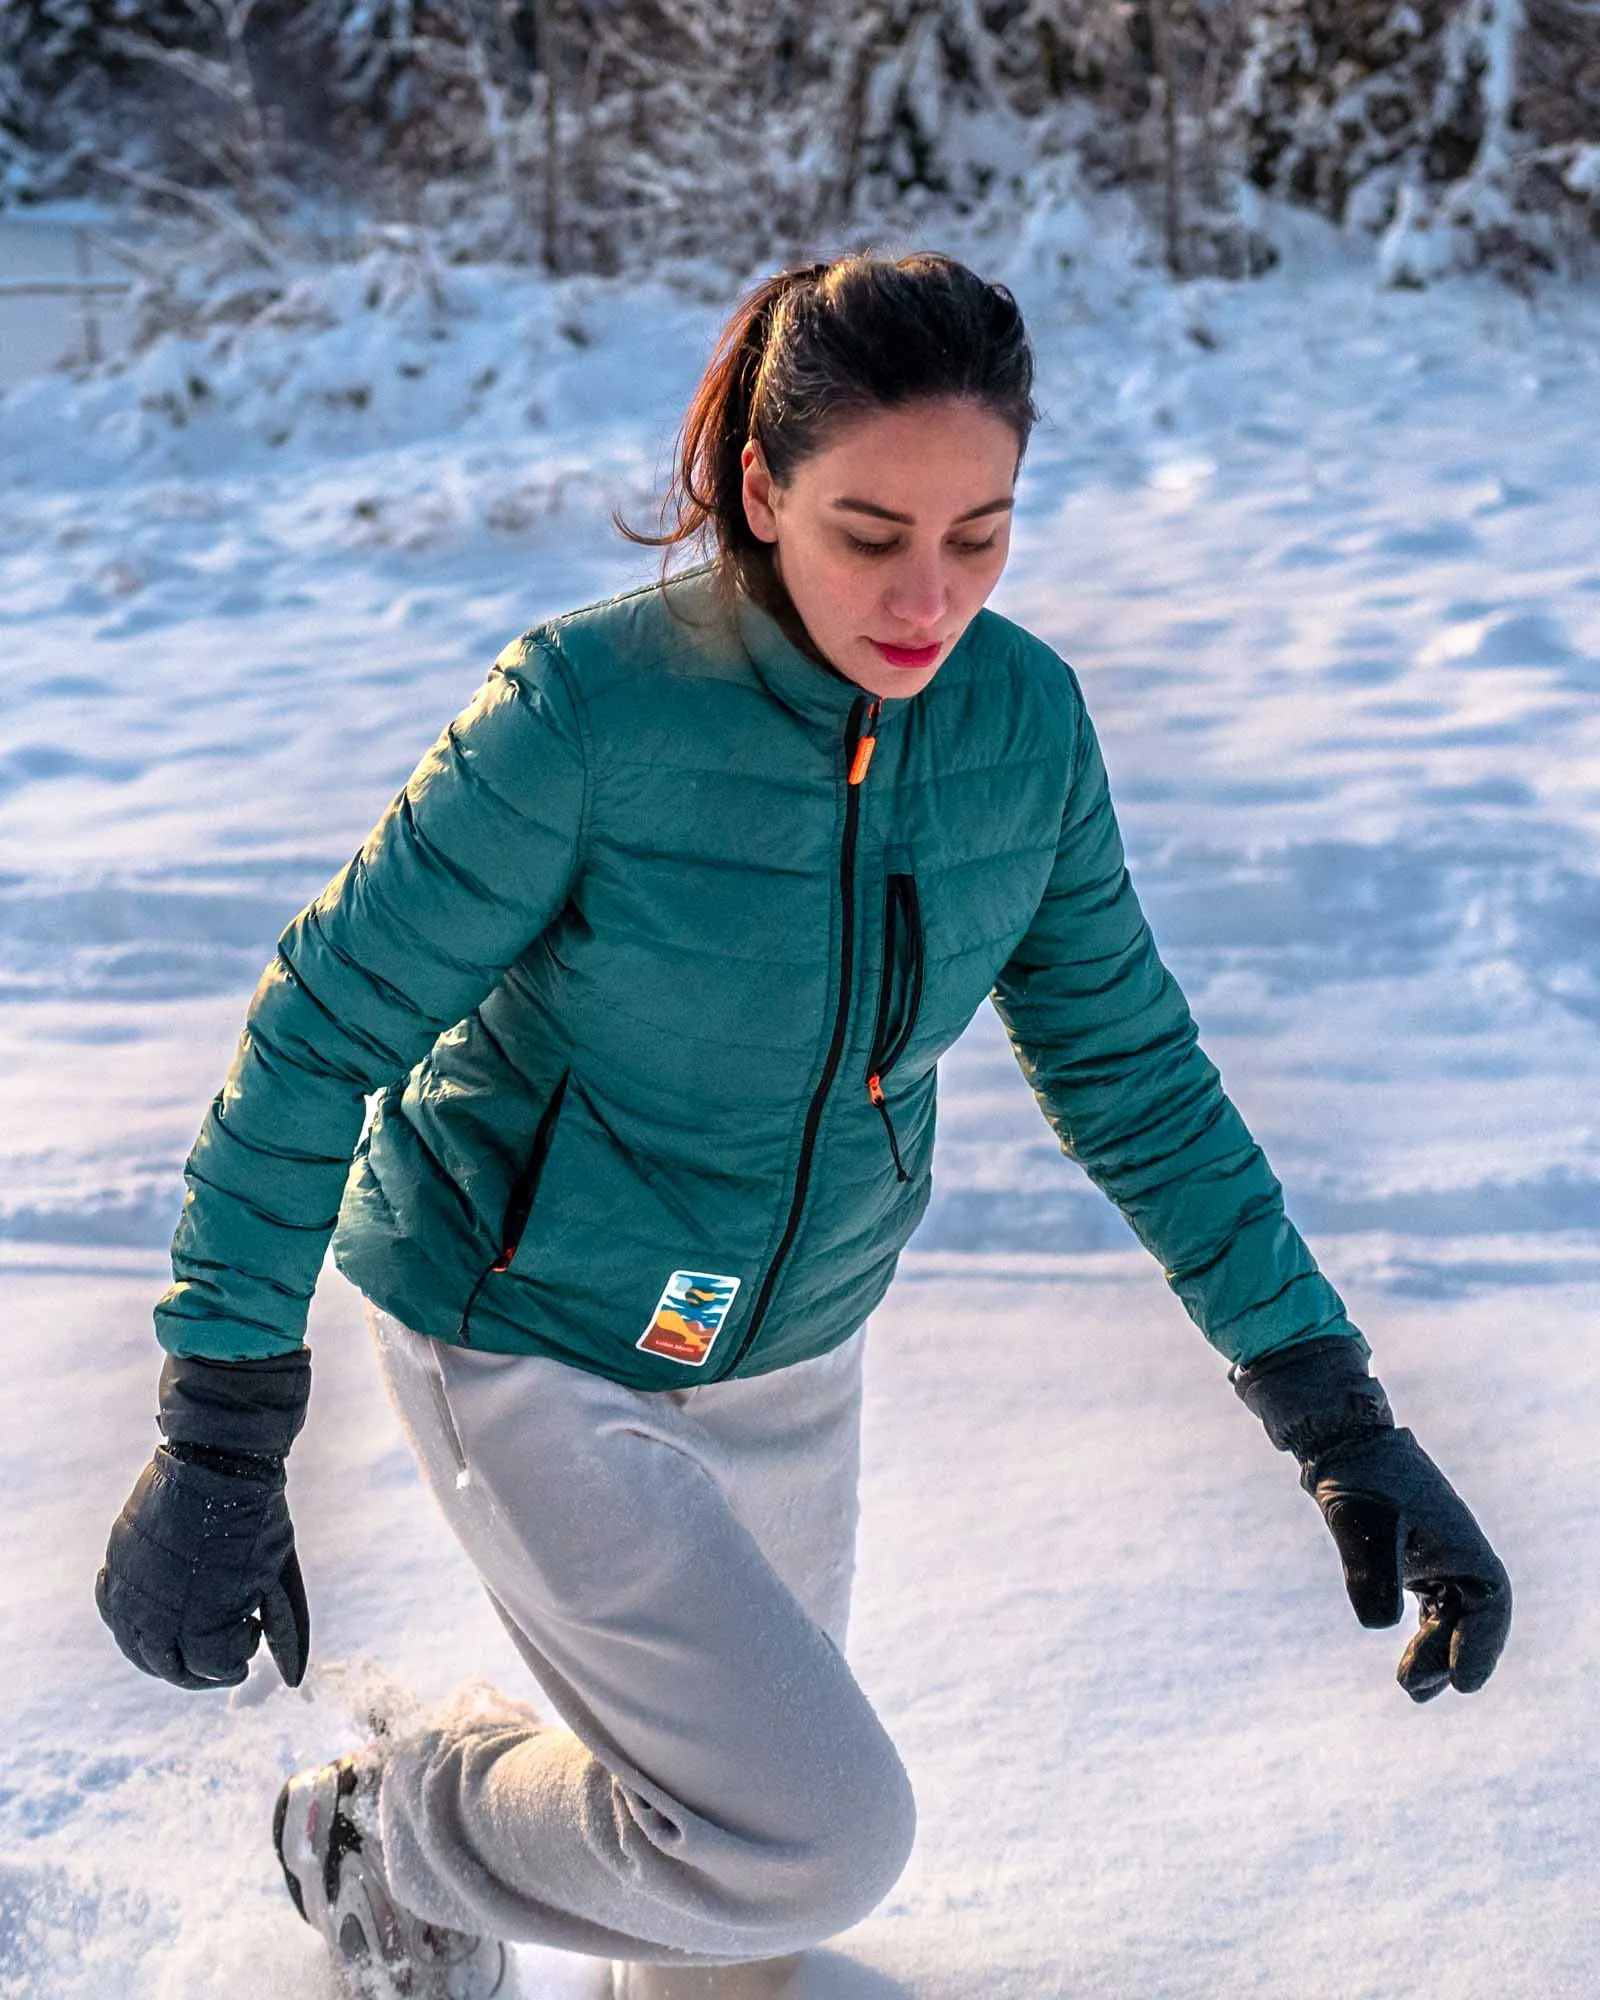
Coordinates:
column 867, row 667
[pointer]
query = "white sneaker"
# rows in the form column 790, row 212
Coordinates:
column 335, row 1877
column 760, row 1979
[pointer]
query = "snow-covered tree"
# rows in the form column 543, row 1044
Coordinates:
column 1558, row 115
column 1413, row 121
column 63, row 86
column 593, row 132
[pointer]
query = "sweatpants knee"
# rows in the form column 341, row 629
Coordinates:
column 856, row 1855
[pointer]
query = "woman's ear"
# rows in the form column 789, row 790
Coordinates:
column 759, row 494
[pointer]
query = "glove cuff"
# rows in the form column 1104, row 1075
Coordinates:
column 242, row 1409
column 263, row 1468
column 1314, row 1395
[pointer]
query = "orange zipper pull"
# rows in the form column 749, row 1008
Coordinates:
column 865, row 748
column 875, row 1092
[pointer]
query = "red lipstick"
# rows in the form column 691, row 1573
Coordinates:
column 908, row 656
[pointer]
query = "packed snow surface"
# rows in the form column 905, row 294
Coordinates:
column 1324, row 556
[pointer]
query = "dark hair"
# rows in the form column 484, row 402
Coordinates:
column 811, row 349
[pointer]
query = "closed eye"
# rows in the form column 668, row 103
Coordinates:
column 962, row 548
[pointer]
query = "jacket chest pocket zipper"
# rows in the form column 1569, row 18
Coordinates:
column 899, row 996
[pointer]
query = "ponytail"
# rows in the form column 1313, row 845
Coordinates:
column 704, row 504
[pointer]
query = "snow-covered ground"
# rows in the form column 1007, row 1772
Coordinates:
column 1325, row 558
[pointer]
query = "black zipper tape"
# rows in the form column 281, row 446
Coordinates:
column 519, row 1206
column 902, row 916
column 859, row 737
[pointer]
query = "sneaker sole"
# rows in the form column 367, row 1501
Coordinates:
column 280, row 1817
column 291, row 1882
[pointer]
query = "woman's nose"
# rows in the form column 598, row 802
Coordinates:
column 917, row 593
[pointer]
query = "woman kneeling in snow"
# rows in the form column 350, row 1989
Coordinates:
column 652, row 962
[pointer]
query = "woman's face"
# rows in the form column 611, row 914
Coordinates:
column 890, row 538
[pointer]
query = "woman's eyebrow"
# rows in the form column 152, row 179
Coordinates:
column 1001, row 506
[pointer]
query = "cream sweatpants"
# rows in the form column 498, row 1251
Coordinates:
column 675, row 1569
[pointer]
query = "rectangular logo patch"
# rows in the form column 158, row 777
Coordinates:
column 689, row 1315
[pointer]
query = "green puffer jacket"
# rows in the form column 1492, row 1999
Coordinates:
column 652, row 962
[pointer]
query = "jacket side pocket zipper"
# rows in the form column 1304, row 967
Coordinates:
column 519, row 1206
column 902, row 930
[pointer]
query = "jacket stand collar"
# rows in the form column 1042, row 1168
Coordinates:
column 810, row 690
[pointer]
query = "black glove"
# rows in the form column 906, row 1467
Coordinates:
column 201, row 1561
column 1393, row 1515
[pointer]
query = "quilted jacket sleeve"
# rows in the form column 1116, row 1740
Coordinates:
column 467, row 867
column 1106, row 1039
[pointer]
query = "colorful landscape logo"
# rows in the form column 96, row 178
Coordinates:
column 689, row 1315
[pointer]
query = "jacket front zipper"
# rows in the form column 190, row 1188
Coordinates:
column 860, row 741
column 902, row 915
